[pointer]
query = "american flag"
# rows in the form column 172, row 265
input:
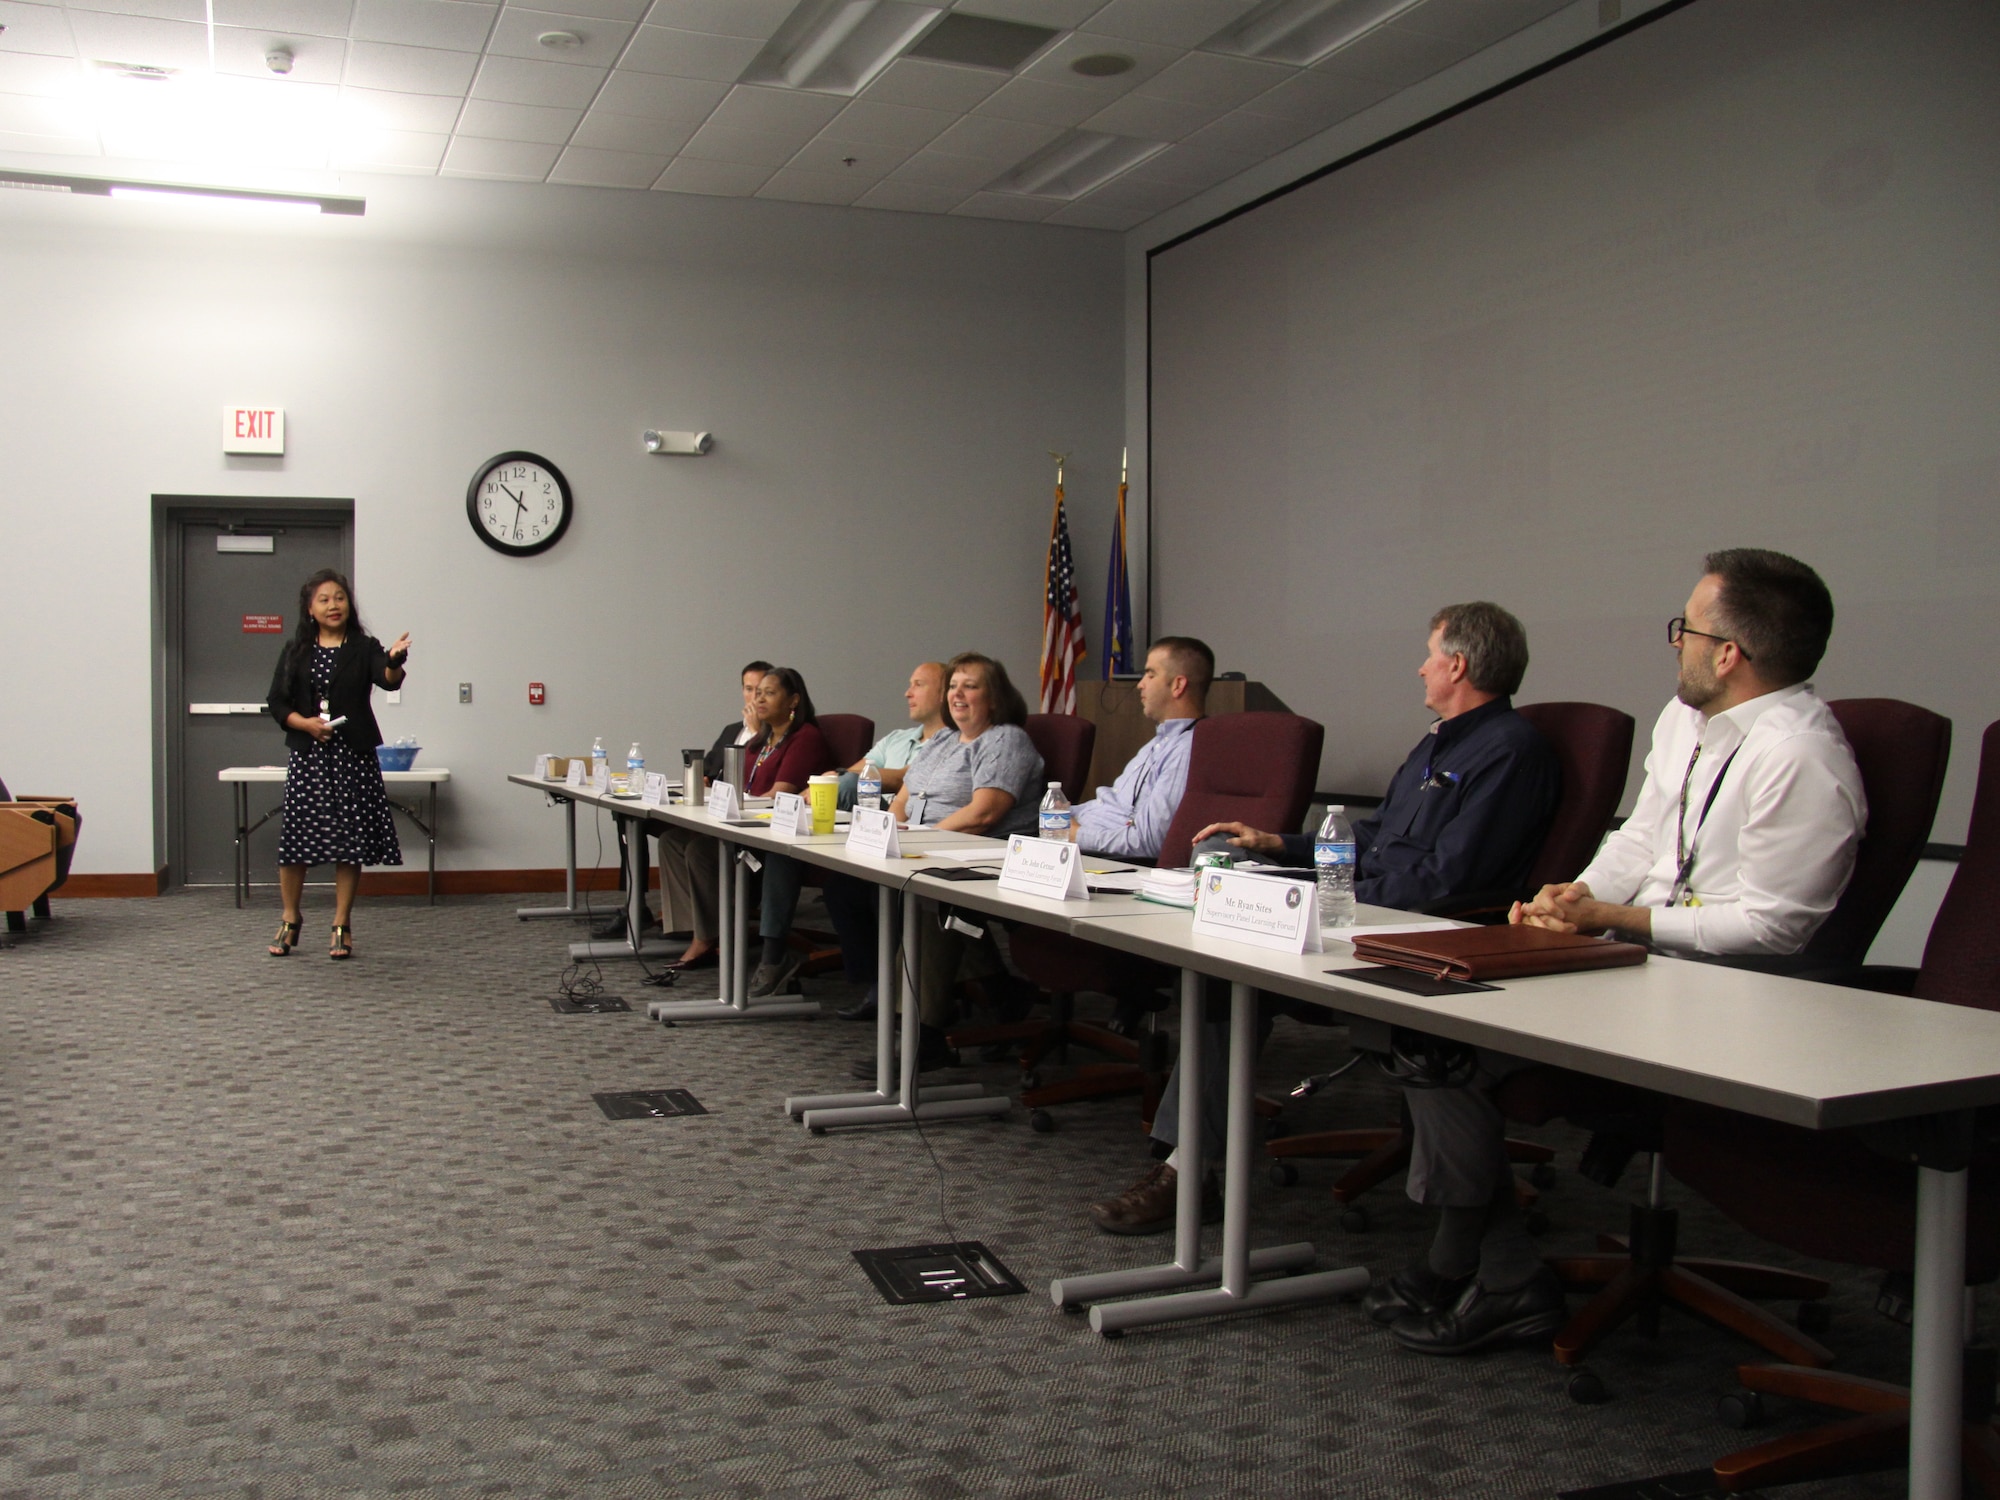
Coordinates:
column 1062, row 618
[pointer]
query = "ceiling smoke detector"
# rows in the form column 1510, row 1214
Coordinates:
column 279, row 60
column 1102, row 65
column 560, row 41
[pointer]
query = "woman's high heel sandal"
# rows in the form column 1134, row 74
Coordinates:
column 285, row 941
column 343, row 943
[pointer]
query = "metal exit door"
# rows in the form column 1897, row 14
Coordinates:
column 237, row 607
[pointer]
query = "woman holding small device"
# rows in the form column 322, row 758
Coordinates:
column 336, row 810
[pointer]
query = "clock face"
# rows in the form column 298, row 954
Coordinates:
column 519, row 504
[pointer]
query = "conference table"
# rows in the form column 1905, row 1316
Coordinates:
column 241, row 778
column 1814, row 1055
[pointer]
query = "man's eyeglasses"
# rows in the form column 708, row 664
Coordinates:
column 1678, row 627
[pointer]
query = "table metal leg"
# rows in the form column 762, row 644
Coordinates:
column 733, row 929
column 1937, row 1335
column 242, row 882
column 1238, row 1263
column 634, row 944
column 951, row 1101
column 569, row 908
column 431, row 832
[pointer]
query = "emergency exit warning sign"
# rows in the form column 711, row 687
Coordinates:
column 253, row 429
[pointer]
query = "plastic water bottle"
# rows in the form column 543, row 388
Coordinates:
column 1333, row 864
column 635, row 770
column 597, row 754
column 1058, row 821
column 868, row 788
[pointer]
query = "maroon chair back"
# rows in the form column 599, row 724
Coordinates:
column 1593, row 745
column 1255, row 768
column 1962, row 956
column 1065, row 742
column 848, row 736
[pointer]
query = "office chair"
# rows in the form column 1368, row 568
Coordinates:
column 67, row 822
column 848, row 737
column 1064, row 742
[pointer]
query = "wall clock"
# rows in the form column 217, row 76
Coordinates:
column 519, row 504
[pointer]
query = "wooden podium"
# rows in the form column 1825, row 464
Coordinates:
column 1121, row 728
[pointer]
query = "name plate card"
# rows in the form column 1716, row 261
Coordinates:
column 722, row 804
column 1267, row 910
column 600, row 779
column 791, row 815
column 541, row 768
column 872, row 834
column 655, row 794
column 575, row 776
column 1043, row 867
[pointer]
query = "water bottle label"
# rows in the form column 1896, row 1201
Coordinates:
column 1333, row 854
column 1056, row 823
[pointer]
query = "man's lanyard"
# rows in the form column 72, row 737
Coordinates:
column 1684, row 842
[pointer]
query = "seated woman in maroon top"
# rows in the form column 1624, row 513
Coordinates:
column 789, row 750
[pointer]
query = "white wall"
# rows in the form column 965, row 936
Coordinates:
column 883, row 389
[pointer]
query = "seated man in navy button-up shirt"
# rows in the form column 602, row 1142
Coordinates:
column 1464, row 815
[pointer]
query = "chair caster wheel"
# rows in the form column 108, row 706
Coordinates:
column 1031, row 1080
column 816, row 1129
column 1586, row 1389
column 1283, row 1174
column 1815, row 1317
column 1354, row 1219
column 1042, row 1122
column 1113, row 1333
column 1740, row 1410
column 1535, row 1221
column 1542, row 1175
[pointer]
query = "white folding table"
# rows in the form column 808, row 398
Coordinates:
column 241, row 778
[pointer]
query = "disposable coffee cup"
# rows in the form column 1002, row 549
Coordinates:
column 823, row 792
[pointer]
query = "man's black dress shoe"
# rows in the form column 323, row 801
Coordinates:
column 1480, row 1319
column 861, row 1010
column 1415, row 1289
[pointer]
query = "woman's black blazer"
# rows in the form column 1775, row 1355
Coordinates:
column 359, row 665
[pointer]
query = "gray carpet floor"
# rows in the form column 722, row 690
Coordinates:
column 294, row 1228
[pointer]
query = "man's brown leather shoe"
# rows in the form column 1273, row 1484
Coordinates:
column 1147, row 1206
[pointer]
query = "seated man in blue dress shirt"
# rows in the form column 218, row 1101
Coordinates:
column 1466, row 813
column 1129, row 818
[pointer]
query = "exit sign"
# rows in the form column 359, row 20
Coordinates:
column 253, row 429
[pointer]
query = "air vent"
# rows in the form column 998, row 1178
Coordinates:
column 1076, row 163
column 138, row 72
column 1301, row 32
column 838, row 46
column 982, row 42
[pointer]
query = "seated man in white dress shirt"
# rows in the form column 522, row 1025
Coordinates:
column 1129, row 818
column 1742, row 840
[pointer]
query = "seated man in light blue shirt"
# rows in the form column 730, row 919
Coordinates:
column 893, row 753
column 1129, row 818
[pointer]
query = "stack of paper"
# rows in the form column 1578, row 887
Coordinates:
column 1169, row 887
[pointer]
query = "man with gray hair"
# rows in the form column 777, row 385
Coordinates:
column 1466, row 813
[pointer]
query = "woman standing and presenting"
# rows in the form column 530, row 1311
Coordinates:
column 336, row 810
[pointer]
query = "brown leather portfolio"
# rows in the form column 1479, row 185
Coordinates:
column 1496, row 952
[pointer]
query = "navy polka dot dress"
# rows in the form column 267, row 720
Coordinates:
column 336, row 810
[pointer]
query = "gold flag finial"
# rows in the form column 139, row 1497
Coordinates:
column 1061, row 459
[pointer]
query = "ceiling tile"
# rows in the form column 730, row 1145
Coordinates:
column 139, row 39
column 35, row 28
column 518, row 160
column 429, row 114
column 1088, row 215
column 588, row 167
column 1134, row 192
column 798, row 186
column 49, row 145
column 1219, row 82
column 1395, row 58
column 454, row 25
column 1320, row 97
column 1171, row 23
column 871, row 163
column 515, row 80
column 35, row 73
column 932, row 85
column 602, row 130
column 492, row 120
column 870, row 124
column 724, row 179
column 1150, row 119
column 1041, row 103
column 630, row 12
column 779, row 111
column 1193, row 167
column 409, row 70
column 961, row 174
column 1253, row 134
column 1476, row 23
column 650, row 96
column 280, row 17
column 315, row 59
column 393, row 151
column 24, row 114
column 690, row 54
column 1053, row 66
column 1061, row 14
column 1001, row 141
column 749, row 148
column 159, row 10
column 751, row 18
column 1005, row 206
column 909, row 197
column 598, row 46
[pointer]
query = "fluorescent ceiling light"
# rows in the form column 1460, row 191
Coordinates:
column 1075, row 163
column 1301, row 32
column 183, row 192
column 838, row 46
column 210, row 196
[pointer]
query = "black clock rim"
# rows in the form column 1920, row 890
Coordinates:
column 506, row 549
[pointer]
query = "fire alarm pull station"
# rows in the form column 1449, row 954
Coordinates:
column 537, row 694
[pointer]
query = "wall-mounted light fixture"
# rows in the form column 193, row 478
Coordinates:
column 109, row 187
column 689, row 444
